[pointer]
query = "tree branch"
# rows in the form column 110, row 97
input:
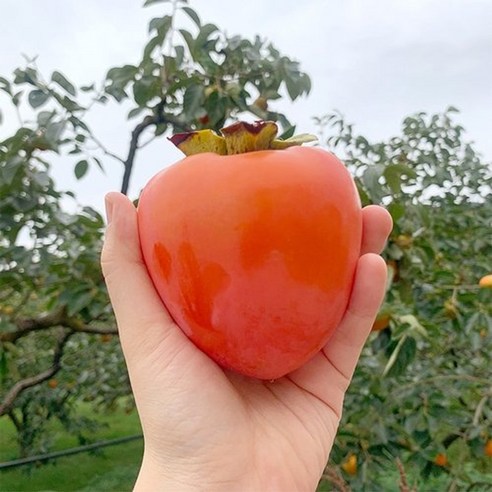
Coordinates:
column 79, row 326
column 15, row 420
column 404, row 487
column 23, row 384
column 156, row 119
column 50, row 320
column 104, row 150
column 138, row 130
column 332, row 476
column 27, row 325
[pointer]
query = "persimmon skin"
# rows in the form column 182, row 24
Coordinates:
column 254, row 255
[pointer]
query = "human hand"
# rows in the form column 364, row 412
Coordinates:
column 206, row 428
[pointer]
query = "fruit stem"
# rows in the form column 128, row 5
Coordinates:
column 238, row 138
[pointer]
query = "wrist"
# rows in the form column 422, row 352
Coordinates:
column 153, row 477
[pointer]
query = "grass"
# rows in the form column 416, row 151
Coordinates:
column 113, row 468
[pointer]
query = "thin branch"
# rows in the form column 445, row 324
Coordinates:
column 137, row 131
column 404, row 487
column 104, row 150
column 479, row 409
column 15, row 420
column 332, row 476
column 23, row 384
column 156, row 119
column 443, row 377
column 150, row 140
column 27, row 325
column 50, row 320
column 79, row 326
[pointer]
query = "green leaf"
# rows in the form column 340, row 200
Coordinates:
column 42, row 179
column 161, row 25
column 135, row 112
column 292, row 88
column 364, row 197
column 189, row 39
column 121, row 76
column 160, row 129
column 79, row 301
column 10, row 169
column 16, row 98
column 76, row 122
column 37, row 98
column 396, row 210
column 44, row 117
column 5, row 85
column 27, row 76
column 394, row 173
column 401, row 357
column 81, row 169
column 69, row 104
column 205, row 33
column 146, row 89
column 180, row 52
column 370, row 179
column 287, row 133
column 169, row 67
column 459, row 452
column 452, row 109
column 4, row 82
column 118, row 93
column 88, row 88
column 151, row 2
column 414, row 324
column 53, row 133
column 99, row 164
column 151, row 46
column 193, row 15
column 63, row 82
column 192, row 99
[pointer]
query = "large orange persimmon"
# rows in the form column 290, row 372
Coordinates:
column 253, row 254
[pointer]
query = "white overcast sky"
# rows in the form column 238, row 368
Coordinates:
column 374, row 60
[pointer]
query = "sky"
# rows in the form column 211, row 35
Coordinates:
column 375, row 61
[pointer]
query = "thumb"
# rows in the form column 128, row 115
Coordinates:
column 143, row 321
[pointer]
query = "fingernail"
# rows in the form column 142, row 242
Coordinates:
column 108, row 202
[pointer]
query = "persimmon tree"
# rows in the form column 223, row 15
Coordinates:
column 57, row 332
column 422, row 393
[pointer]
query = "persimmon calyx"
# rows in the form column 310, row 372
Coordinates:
column 238, row 138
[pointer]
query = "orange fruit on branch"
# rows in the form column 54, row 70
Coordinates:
column 349, row 466
column 486, row 281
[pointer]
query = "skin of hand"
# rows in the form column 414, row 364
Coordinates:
column 206, row 428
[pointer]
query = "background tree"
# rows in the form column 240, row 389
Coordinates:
column 422, row 392
column 56, row 326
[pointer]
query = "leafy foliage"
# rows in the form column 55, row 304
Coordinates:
column 423, row 386
column 57, row 331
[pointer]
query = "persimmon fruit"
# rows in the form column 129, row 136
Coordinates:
column 488, row 448
column 441, row 459
column 349, row 466
column 486, row 281
column 252, row 247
